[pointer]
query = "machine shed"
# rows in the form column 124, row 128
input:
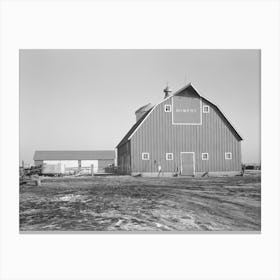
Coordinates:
column 70, row 162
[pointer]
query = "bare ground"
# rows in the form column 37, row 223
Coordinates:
column 142, row 204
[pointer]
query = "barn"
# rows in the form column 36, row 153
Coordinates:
column 71, row 162
column 184, row 134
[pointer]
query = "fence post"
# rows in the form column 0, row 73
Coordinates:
column 36, row 179
column 92, row 170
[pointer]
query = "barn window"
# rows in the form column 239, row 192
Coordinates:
column 205, row 156
column 167, row 108
column 205, row 109
column 169, row 156
column 145, row 156
column 228, row 155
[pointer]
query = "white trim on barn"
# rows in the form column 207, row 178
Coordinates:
column 205, row 154
column 168, row 110
column 193, row 160
column 230, row 155
column 145, row 154
column 167, row 156
column 206, row 109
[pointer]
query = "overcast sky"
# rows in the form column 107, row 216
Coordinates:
column 86, row 99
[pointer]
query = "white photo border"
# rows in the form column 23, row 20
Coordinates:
column 123, row 24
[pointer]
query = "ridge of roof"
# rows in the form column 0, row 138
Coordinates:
column 180, row 90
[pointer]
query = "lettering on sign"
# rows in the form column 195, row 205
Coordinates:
column 187, row 110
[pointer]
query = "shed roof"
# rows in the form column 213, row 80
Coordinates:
column 142, row 119
column 74, row 155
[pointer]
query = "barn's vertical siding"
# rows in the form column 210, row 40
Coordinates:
column 157, row 136
column 124, row 158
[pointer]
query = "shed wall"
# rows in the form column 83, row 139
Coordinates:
column 38, row 162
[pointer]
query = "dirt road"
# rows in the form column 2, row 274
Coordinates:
column 142, row 204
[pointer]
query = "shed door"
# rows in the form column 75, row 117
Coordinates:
column 187, row 164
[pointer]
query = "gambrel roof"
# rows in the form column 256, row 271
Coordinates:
column 133, row 128
column 145, row 116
